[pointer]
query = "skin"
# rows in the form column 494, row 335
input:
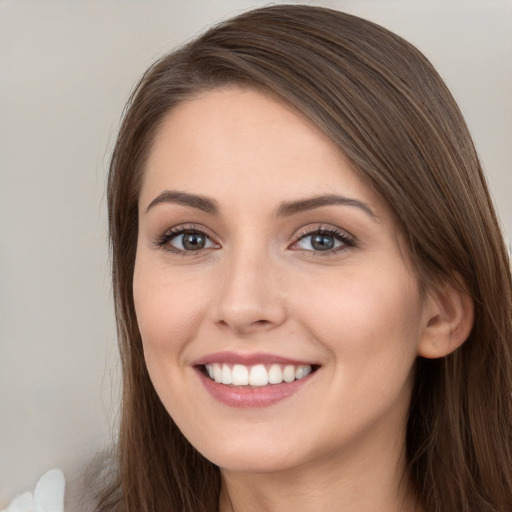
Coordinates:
column 257, row 286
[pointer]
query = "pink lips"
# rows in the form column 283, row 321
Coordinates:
column 249, row 396
column 245, row 359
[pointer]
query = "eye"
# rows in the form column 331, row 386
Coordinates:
column 183, row 240
column 323, row 240
column 191, row 241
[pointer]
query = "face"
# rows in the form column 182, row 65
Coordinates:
column 279, row 314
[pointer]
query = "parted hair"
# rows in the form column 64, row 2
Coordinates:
column 381, row 101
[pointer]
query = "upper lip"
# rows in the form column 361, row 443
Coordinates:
column 247, row 359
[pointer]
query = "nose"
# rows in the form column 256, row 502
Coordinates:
column 250, row 295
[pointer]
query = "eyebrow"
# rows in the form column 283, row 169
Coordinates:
column 301, row 205
column 285, row 209
column 202, row 203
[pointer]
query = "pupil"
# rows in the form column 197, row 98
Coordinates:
column 322, row 242
column 193, row 241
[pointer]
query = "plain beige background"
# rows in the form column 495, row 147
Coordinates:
column 66, row 69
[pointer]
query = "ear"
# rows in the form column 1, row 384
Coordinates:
column 448, row 320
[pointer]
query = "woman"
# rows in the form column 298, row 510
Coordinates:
column 312, row 292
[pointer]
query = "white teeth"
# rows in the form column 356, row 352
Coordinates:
column 257, row 375
column 289, row 373
column 240, row 375
column 217, row 373
column 227, row 374
column 302, row 371
column 275, row 374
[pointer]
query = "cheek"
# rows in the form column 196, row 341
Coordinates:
column 369, row 321
column 168, row 309
column 371, row 328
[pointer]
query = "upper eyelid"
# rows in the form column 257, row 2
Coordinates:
column 182, row 228
column 325, row 228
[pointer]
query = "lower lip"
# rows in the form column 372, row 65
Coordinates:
column 256, row 396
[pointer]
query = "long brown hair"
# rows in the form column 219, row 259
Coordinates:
column 380, row 100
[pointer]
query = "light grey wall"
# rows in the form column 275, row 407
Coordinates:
column 66, row 68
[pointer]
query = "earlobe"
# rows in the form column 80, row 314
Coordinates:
column 449, row 316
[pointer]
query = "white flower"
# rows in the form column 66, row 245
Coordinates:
column 48, row 495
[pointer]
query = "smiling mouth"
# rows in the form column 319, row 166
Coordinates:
column 257, row 375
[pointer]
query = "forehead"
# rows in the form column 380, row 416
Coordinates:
column 237, row 142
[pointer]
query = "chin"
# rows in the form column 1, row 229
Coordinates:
column 256, row 463
column 251, row 456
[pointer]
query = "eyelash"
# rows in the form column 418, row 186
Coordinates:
column 347, row 241
column 164, row 240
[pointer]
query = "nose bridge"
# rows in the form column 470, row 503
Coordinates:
column 250, row 297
